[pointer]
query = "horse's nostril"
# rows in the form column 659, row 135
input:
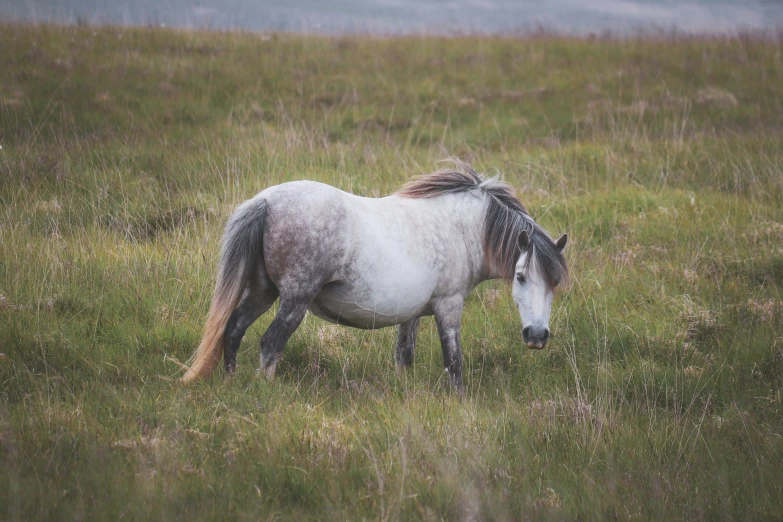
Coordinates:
column 526, row 333
column 535, row 335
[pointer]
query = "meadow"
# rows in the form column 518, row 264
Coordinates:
column 124, row 150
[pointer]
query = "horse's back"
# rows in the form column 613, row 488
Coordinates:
column 304, row 234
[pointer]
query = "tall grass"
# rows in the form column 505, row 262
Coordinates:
column 658, row 397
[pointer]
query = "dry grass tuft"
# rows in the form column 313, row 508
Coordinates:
column 5, row 304
column 330, row 442
column 492, row 297
column 701, row 324
column 145, row 442
column 716, row 96
column 51, row 206
column 764, row 310
column 549, row 500
column 333, row 339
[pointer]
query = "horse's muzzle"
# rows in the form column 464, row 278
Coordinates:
column 535, row 337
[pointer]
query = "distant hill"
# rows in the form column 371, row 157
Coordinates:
column 411, row 16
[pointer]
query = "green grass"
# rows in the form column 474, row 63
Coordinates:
column 659, row 396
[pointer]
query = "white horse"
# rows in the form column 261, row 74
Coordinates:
column 377, row 262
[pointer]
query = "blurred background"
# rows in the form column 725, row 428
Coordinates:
column 412, row 16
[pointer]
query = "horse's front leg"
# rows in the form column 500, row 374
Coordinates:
column 448, row 314
column 406, row 343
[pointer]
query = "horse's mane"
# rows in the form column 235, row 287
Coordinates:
column 506, row 218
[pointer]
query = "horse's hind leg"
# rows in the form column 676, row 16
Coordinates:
column 256, row 301
column 406, row 343
column 289, row 316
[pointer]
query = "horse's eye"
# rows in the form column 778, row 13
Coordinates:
column 521, row 278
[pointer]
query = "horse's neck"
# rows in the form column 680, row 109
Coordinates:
column 485, row 270
column 470, row 212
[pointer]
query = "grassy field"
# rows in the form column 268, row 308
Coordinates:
column 658, row 397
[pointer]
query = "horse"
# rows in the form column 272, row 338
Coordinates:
column 377, row 262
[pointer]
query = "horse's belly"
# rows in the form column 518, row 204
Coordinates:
column 369, row 310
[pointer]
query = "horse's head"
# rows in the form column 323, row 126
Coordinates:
column 534, row 285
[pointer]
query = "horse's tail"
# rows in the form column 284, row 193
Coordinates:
column 242, row 244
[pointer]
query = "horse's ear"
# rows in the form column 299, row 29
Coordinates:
column 561, row 242
column 524, row 240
